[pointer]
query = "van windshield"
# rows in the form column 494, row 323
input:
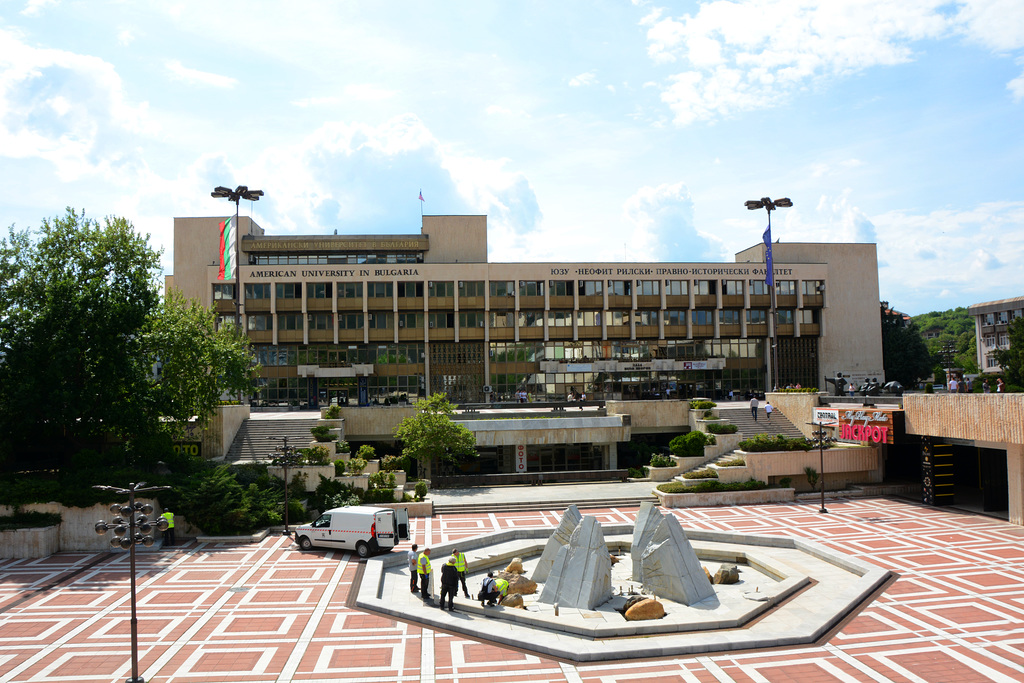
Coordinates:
column 323, row 521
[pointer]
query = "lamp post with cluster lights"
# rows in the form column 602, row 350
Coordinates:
column 769, row 205
column 820, row 439
column 236, row 195
column 132, row 526
column 285, row 456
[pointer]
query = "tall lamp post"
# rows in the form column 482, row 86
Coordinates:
column 131, row 527
column 768, row 205
column 285, row 456
column 820, row 439
column 236, row 195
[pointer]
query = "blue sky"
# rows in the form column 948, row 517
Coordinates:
column 585, row 131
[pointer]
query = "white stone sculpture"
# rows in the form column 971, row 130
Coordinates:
column 669, row 567
column 581, row 574
column 647, row 520
column 560, row 538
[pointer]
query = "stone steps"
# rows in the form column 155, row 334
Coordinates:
column 256, row 439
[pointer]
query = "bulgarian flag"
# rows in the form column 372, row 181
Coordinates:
column 227, row 250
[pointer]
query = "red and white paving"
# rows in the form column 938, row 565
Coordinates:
column 267, row 612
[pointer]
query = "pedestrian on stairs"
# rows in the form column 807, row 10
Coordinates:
column 768, row 410
column 753, row 407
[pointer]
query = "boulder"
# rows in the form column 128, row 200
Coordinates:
column 558, row 539
column 513, row 600
column 644, row 610
column 515, row 566
column 518, row 583
column 614, row 560
column 708, row 574
column 633, row 599
column 727, row 573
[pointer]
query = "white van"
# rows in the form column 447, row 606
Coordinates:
column 367, row 530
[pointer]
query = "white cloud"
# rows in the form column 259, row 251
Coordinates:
column 367, row 92
column 196, row 77
column 660, row 217
column 34, row 8
column 588, row 78
column 997, row 24
column 1016, row 87
column 125, row 37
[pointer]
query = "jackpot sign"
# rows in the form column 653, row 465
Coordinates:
column 866, row 425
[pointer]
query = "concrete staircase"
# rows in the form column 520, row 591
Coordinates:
column 521, row 506
column 256, row 439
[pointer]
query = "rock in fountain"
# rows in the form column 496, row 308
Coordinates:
column 559, row 539
column 581, row 574
column 669, row 567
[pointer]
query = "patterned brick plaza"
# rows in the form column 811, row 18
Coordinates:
column 267, row 612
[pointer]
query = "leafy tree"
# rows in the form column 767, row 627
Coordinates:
column 905, row 357
column 432, row 435
column 1012, row 359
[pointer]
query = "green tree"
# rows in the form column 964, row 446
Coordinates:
column 905, row 357
column 431, row 435
column 1012, row 359
column 198, row 362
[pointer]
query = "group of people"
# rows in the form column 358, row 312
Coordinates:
column 768, row 409
column 453, row 572
column 965, row 385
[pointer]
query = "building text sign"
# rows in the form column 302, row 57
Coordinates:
column 520, row 457
column 866, row 425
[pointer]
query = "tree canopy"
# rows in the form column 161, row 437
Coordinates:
column 431, row 435
column 905, row 357
column 81, row 327
column 1012, row 359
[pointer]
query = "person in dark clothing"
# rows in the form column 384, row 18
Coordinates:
column 449, row 583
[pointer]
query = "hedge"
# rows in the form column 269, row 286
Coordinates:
column 711, row 486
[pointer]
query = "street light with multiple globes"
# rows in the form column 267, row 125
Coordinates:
column 770, row 205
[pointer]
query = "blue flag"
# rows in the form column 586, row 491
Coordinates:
column 769, row 276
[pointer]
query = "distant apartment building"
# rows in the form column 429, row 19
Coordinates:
column 991, row 329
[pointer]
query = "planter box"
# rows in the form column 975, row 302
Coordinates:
column 663, row 473
column 687, row 500
column 30, row 543
column 733, row 475
column 311, row 473
column 421, row 509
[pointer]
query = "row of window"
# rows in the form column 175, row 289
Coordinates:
column 989, row 340
column 324, row 259
column 478, row 319
column 1002, row 317
column 503, row 288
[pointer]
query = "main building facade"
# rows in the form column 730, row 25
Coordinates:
column 382, row 318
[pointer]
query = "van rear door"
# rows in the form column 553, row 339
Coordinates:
column 384, row 529
column 402, row 523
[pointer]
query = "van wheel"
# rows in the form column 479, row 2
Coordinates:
column 305, row 543
column 362, row 550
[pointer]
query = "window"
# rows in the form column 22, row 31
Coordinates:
column 757, row 317
column 732, row 287
column 380, row 321
column 648, row 287
column 613, row 318
column 221, row 292
column 588, row 318
column 675, row 318
column 785, row 316
column 259, row 323
column 991, row 362
column 410, row 320
column 350, row 321
column 649, row 318
column 257, row 291
column 321, row 321
column 990, row 318
column 703, row 317
column 471, row 319
column 471, row 288
column 441, row 289
column 808, row 316
column 676, row 287
column 620, row 287
column 705, row 287
column 811, row 287
column 1004, row 317
column 319, row 290
column 502, row 288
column 410, row 290
column 442, row 320
column 560, row 287
column 350, row 290
column 785, row 287
column 1004, row 341
column 729, row 317
column 531, row 318
column 531, row 288
column 223, row 321
column 758, row 287
column 502, row 319
column 591, row 288
column 289, row 321
column 379, row 290
column 559, row 318
column 289, row 290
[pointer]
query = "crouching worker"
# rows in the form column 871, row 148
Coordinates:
column 492, row 590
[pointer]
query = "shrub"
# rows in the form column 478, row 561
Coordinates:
column 812, row 476
column 366, row 452
column 929, row 388
column 709, row 415
column 637, row 472
column 318, row 455
column 339, row 468
column 786, row 482
column 701, row 404
column 27, row 520
column 711, row 486
column 691, row 445
column 733, row 462
column 767, row 442
column 421, row 490
column 705, row 473
column 379, row 496
column 217, row 503
column 662, row 461
column 326, row 492
column 344, row 500
column 393, row 463
column 341, row 447
column 333, row 412
column 356, row 466
column 322, row 433
column 715, row 428
column 382, row 480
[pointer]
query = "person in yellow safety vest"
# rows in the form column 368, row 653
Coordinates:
column 460, row 566
column 423, row 569
column 169, row 532
column 492, row 590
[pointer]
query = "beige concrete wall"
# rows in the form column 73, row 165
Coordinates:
column 1015, row 479
column 851, row 340
column 548, row 431
column 374, row 422
column 997, row 418
column 652, row 415
column 29, row 543
column 798, row 408
column 456, row 239
column 77, row 527
column 843, row 466
column 196, row 248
